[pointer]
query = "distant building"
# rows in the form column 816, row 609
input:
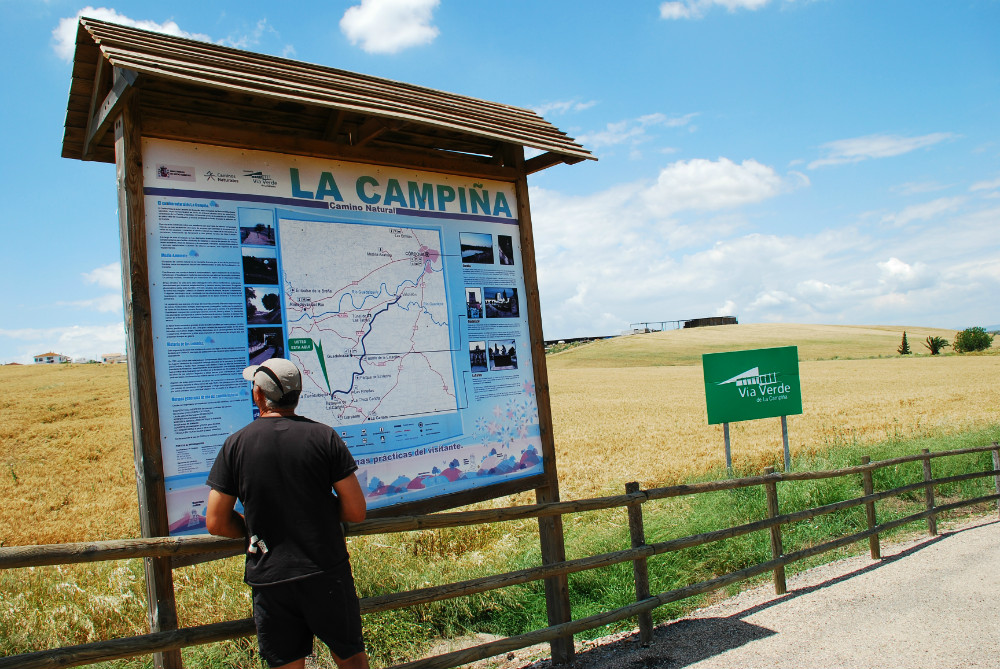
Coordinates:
column 50, row 358
column 715, row 320
column 114, row 358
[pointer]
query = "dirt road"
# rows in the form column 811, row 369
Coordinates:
column 930, row 602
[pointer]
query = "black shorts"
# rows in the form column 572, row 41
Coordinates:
column 288, row 615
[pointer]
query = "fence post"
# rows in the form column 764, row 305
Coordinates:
column 640, row 569
column 866, row 477
column 771, row 490
column 996, row 477
column 931, row 519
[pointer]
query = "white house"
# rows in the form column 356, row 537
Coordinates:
column 113, row 358
column 51, row 358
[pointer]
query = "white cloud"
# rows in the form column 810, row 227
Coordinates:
column 632, row 131
column 696, row 9
column 110, row 303
column 985, row 185
column 389, row 26
column 563, row 107
column 772, row 298
column 923, row 212
column 904, row 276
column 683, row 246
column 620, row 252
column 705, row 185
column 64, row 34
column 107, row 276
column 251, row 39
column 727, row 309
column 857, row 149
column 76, row 341
column 919, row 188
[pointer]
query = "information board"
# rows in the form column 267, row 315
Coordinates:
column 397, row 293
column 746, row 385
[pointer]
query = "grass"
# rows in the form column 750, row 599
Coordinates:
column 620, row 413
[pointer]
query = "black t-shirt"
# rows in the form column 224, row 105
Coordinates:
column 283, row 470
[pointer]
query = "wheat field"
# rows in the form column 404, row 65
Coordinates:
column 630, row 408
column 614, row 425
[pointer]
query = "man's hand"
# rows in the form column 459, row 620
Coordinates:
column 352, row 500
column 221, row 516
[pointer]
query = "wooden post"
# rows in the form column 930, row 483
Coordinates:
column 162, row 609
column 932, row 519
column 640, row 569
column 771, row 490
column 996, row 477
column 550, row 528
column 729, row 457
column 874, row 548
column 784, row 440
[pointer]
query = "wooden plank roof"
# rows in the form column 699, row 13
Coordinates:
column 191, row 81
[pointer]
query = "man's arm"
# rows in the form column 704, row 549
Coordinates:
column 352, row 500
column 221, row 516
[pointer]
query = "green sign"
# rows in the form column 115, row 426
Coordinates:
column 299, row 345
column 746, row 385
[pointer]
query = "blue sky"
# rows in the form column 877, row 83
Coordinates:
column 810, row 161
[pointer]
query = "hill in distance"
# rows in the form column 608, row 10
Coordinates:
column 686, row 346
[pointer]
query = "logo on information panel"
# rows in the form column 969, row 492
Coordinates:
column 175, row 172
column 261, row 179
column 221, row 177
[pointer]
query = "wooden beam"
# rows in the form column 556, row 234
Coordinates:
column 101, row 119
column 543, row 161
column 333, row 125
column 550, row 529
column 100, row 73
column 374, row 127
column 153, row 522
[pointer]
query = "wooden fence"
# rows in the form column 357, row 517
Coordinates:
column 184, row 549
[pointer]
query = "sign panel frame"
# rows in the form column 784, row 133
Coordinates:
column 231, row 236
column 752, row 384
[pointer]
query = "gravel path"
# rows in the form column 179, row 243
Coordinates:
column 930, row 602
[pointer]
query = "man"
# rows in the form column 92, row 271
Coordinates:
column 285, row 469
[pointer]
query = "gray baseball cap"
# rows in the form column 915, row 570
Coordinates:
column 276, row 377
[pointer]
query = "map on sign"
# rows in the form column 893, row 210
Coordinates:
column 350, row 290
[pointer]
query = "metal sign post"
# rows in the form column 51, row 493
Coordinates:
column 729, row 454
column 784, row 440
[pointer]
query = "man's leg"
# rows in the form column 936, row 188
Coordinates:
column 334, row 615
column 356, row 661
column 297, row 664
column 281, row 631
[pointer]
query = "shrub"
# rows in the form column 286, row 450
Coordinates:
column 935, row 344
column 904, row 346
column 973, row 339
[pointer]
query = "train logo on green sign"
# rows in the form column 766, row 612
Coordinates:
column 752, row 383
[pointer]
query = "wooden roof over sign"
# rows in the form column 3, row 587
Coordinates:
column 200, row 91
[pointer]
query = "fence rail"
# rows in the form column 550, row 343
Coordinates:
column 638, row 554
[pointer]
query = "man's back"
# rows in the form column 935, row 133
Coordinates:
column 283, row 469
